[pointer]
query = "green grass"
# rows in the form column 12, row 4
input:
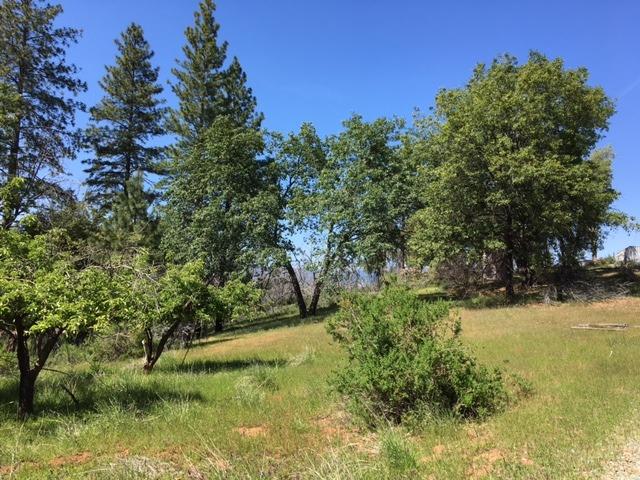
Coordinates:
column 255, row 403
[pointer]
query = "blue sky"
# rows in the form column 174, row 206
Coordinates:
column 321, row 61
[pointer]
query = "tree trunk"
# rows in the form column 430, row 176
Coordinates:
column 317, row 288
column 508, row 258
column 12, row 208
column 147, row 368
column 152, row 357
column 313, row 306
column 326, row 264
column 26, row 390
column 509, row 277
column 295, row 284
column 147, row 344
column 26, row 393
column 218, row 325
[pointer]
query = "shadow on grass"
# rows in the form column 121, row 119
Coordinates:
column 436, row 296
column 275, row 320
column 209, row 365
column 82, row 392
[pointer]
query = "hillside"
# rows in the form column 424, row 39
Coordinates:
column 256, row 403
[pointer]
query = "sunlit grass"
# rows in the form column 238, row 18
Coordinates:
column 255, row 402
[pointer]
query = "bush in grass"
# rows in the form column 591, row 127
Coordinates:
column 406, row 360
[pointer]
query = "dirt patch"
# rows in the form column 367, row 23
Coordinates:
column 8, row 470
column 337, row 427
column 75, row 459
column 478, row 434
column 171, row 454
column 526, row 461
column 626, row 466
column 252, row 432
column 483, row 464
column 331, row 427
column 438, row 450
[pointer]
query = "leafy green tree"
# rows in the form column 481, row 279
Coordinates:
column 297, row 161
column 507, row 167
column 45, row 296
column 205, row 87
column 378, row 178
column 356, row 192
column 9, row 105
column 163, row 301
column 166, row 300
column 214, row 191
column 588, row 203
column 214, row 202
column 124, row 122
column 40, row 134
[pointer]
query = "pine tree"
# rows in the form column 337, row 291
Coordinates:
column 40, row 133
column 125, row 120
column 205, row 88
column 215, row 192
column 131, row 225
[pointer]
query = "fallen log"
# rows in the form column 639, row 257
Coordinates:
column 601, row 326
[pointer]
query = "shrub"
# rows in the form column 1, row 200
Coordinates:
column 405, row 359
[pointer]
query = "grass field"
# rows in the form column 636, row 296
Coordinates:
column 255, row 403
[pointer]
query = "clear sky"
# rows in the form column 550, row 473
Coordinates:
column 320, row 61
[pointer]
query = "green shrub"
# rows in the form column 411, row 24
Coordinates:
column 405, row 359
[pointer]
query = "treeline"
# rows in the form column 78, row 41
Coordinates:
column 503, row 173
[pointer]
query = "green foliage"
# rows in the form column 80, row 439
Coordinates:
column 9, row 111
column 207, row 89
column 363, row 194
column 217, row 208
column 507, row 167
column 123, row 122
column 42, row 290
column 406, row 360
column 370, row 191
column 163, row 300
column 159, row 299
column 115, row 343
column 241, row 299
column 37, row 101
column 215, row 200
column 352, row 193
column 44, row 295
column 131, row 225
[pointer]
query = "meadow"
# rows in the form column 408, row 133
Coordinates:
column 256, row 402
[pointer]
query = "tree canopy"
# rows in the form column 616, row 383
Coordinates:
column 38, row 90
column 127, row 118
column 507, row 167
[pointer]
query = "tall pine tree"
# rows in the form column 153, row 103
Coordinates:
column 216, row 187
column 40, row 133
column 205, row 87
column 125, row 120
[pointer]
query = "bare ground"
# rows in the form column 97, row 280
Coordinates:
column 627, row 465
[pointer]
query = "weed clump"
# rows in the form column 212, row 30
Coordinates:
column 406, row 360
